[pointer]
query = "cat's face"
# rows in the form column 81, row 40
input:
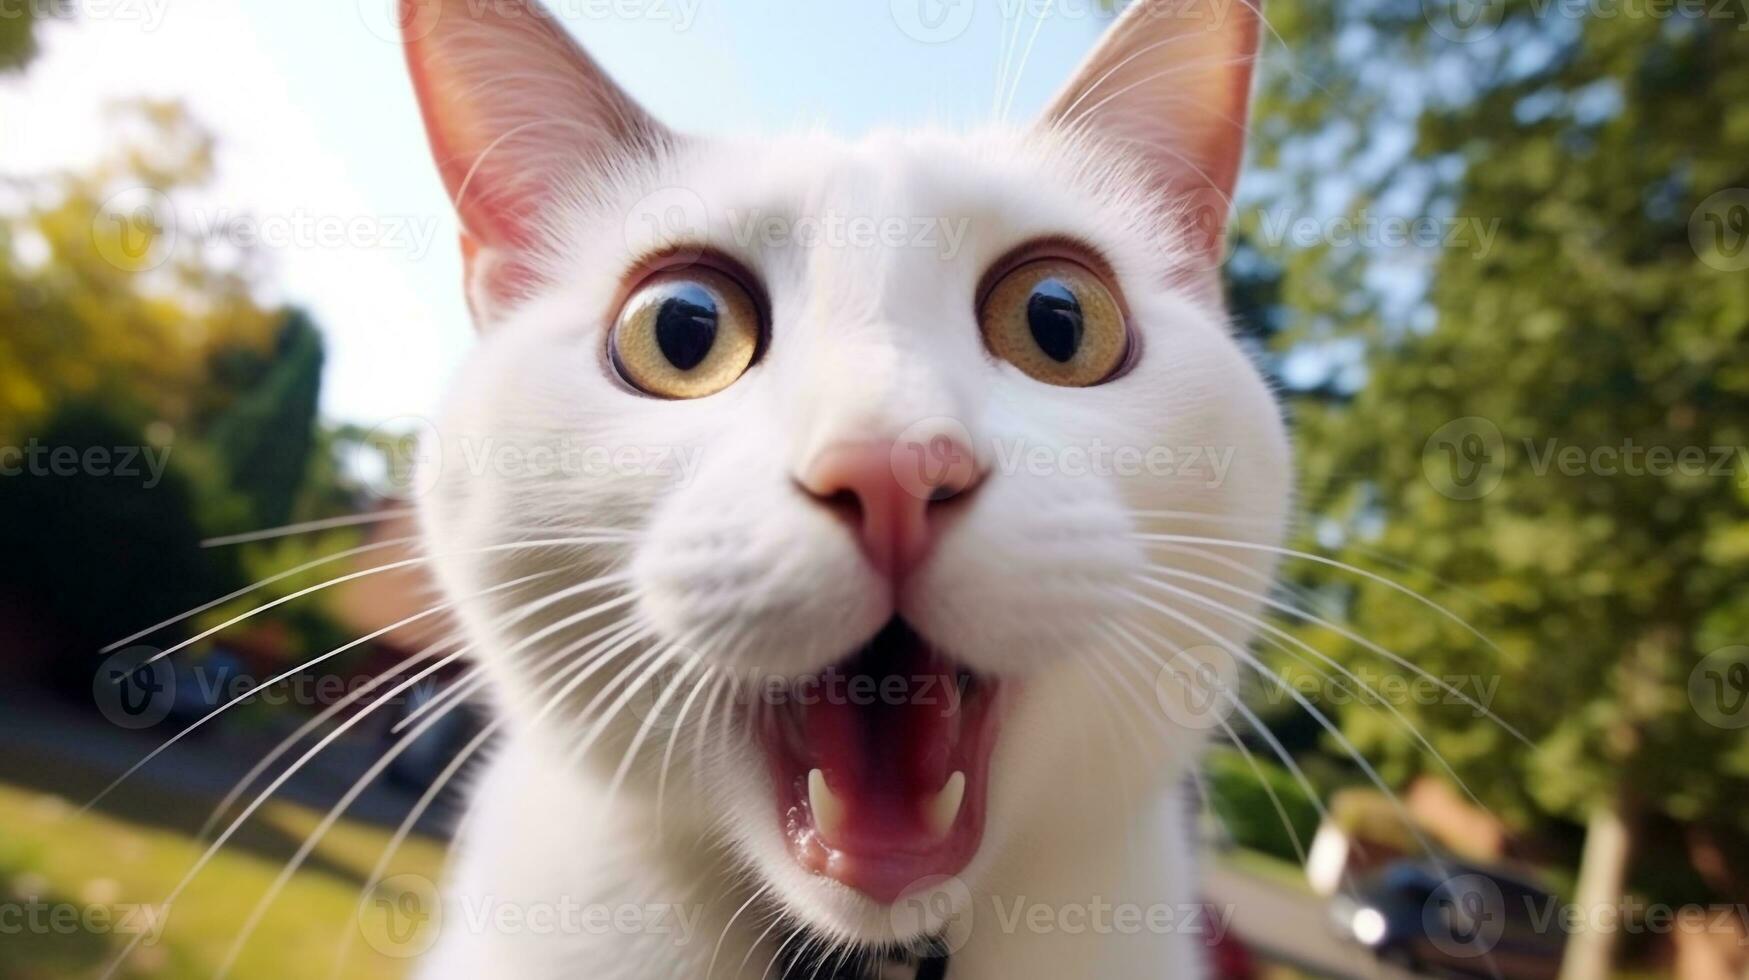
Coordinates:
column 859, row 439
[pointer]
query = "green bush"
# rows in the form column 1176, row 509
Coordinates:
column 1242, row 802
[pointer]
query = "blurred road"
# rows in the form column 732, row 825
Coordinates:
column 1280, row 923
column 57, row 747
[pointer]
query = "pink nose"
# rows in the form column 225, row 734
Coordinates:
column 888, row 492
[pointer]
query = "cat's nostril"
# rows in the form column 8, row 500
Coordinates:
column 886, row 504
column 945, row 492
column 846, row 504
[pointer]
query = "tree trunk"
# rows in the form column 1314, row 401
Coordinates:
column 1602, row 881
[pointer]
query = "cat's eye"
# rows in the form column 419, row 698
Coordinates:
column 686, row 333
column 1055, row 320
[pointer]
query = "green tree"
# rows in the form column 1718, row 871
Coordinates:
column 18, row 23
column 267, row 436
column 95, row 552
column 121, row 330
column 104, row 293
column 1606, row 161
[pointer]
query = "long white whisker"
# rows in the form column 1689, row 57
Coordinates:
column 328, row 713
column 641, row 665
column 315, row 837
column 626, row 635
column 718, row 948
column 1333, row 563
column 260, row 800
column 524, row 612
column 1269, row 738
column 379, row 870
column 1355, row 638
column 364, row 573
column 1232, row 735
column 278, row 577
column 1282, row 636
column 1244, row 656
column 776, row 917
column 643, row 731
column 315, row 721
column 1025, row 56
column 246, row 695
column 1010, row 44
column 306, row 527
column 1068, row 112
column 707, row 680
column 615, row 630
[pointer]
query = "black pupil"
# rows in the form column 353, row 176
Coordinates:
column 1054, row 315
column 686, row 325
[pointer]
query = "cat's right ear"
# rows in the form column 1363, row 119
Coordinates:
column 514, row 109
column 1171, row 83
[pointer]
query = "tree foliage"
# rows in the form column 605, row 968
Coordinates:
column 1551, row 424
column 267, row 435
column 123, row 331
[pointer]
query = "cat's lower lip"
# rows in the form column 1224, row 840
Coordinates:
column 881, row 764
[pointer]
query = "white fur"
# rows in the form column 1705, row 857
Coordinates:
column 750, row 573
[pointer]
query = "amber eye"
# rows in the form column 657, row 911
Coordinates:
column 1055, row 320
column 686, row 333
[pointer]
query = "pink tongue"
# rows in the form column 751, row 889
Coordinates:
column 885, row 745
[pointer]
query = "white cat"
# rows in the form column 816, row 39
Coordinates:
column 838, row 649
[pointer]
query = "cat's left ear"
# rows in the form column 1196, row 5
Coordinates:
column 515, row 112
column 1171, row 83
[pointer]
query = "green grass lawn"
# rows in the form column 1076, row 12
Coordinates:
column 81, row 867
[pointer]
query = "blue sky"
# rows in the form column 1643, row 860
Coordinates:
column 318, row 127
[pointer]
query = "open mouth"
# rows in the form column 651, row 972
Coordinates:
column 881, row 764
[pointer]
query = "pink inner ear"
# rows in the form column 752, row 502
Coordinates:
column 513, row 108
column 1172, row 82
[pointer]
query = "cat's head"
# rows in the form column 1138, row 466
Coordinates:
column 803, row 483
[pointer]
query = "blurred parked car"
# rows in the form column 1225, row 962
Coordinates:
column 1448, row 918
column 435, row 742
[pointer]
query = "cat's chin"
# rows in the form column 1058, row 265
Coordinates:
column 881, row 765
